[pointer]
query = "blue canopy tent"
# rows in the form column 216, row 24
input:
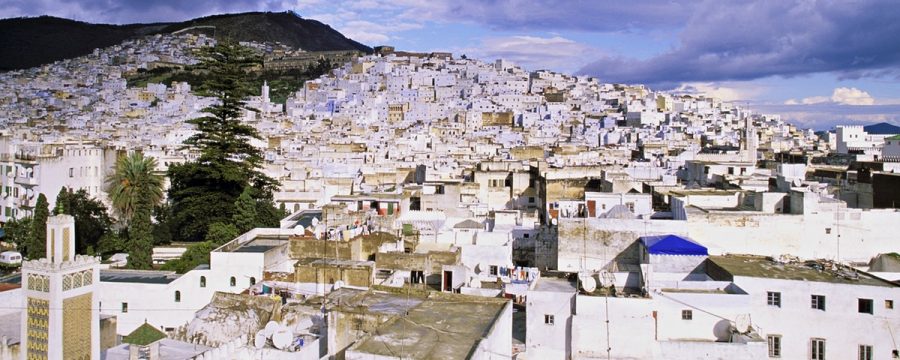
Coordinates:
column 672, row 245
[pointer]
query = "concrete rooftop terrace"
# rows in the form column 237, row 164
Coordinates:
column 444, row 327
column 765, row 267
column 554, row 284
column 138, row 276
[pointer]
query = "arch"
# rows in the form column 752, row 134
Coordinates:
column 252, row 281
column 203, row 281
column 177, row 296
column 233, row 281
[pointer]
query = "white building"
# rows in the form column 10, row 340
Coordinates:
column 853, row 139
column 721, row 307
column 136, row 296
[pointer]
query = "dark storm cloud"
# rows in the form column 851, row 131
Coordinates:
column 129, row 11
column 725, row 40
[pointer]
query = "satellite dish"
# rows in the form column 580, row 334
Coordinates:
column 260, row 339
column 338, row 284
column 723, row 330
column 554, row 221
column 742, row 323
column 299, row 230
column 271, row 328
column 282, row 339
column 588, row 284
column 479, row 269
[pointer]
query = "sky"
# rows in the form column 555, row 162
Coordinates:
column 818, row 63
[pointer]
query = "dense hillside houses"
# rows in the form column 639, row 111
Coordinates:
column 454, row 208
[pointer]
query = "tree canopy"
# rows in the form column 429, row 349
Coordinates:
column 204, row 192
column 37, row 247
column 92, row 221
column 134, row 176
column 135, row 189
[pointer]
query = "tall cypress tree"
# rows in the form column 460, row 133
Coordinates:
column 204, row 192
column 245, row 217
column 37, row 248
column 140, row 237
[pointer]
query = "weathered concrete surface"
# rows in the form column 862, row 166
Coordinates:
column 595, row 244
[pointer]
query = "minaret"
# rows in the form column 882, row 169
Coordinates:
column 61, row 318
column 265, row 92
column 749, row 141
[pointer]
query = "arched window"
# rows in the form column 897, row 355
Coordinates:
column 203, row 281
column 177, row 296
column 233, row 281
column 252, row 281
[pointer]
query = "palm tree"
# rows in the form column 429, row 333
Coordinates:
column 134, row 182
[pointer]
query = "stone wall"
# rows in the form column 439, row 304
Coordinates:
column 328, row 274
column 595, row 244
column 308, row 247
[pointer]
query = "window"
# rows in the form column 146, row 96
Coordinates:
column 774, row 346
column 630, row 206
column 687, row 314
column 817, row 349
column 124, row 307
column 889, row 304
column 203, row 281
column 866, row 306
column 526, row 235
column 548, row 319
column 865, row 352
column 418, row 277
column 827, row 231
column 494, row 270
column 531, row 199
column 252, row 281
column 233, row 281
column 774, row 298
column 177, row 296
column 817, row 302
column 71, row 172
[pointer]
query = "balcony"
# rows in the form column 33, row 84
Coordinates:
column 24, row 202
column 25, row 158
column 26, row 181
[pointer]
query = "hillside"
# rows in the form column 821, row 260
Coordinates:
column 29, row 42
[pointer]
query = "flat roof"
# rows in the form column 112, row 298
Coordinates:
column 11, row 279
column 168, row 349
column 374, row 301
column 436, row 329
column 766, row 267
column 251, row 248
column 551, row 284
column 305, row 218
column 138, row 276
